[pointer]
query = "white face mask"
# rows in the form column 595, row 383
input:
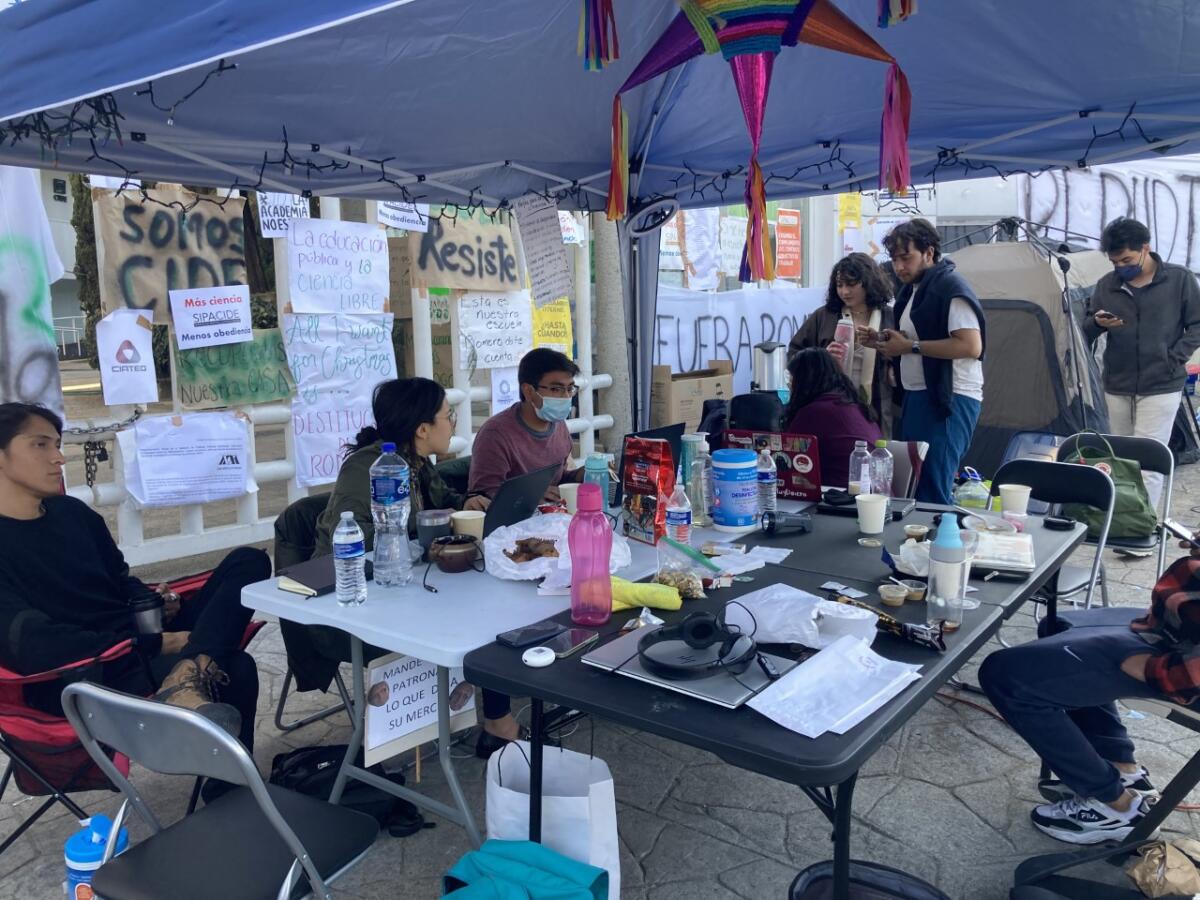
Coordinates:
column 554, row 409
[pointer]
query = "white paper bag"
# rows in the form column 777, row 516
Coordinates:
column 579, row 805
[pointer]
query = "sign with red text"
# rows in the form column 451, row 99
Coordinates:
column 789, row 246
column 337, row 267
column 209, row 317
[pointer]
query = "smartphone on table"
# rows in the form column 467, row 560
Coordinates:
column 529, row 635
column 571, row 641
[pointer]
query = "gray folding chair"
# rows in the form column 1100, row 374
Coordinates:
column 256, row 841
column 907, row 458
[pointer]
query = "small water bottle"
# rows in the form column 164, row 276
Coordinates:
column 699, row 486
column 768, row 479
column 390, row 477
column 882, row 467
column 859, row 478
column 595, row 471
column 948, row 573
column 679, row 513
column 589, row 537
column 350, row 561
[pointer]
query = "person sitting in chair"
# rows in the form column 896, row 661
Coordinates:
column 1059, row 693
column 66, row 595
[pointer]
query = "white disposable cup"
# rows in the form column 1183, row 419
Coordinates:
column 570, row 494
column 468, row 521
column 872, row 511
column 1014, row 498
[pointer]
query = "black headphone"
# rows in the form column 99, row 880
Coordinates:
column 698, row 631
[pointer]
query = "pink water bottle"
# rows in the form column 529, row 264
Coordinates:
column 590, row 540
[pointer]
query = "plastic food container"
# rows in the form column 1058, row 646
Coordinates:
column 892, row 594
column 916, row 531
column 916, row 590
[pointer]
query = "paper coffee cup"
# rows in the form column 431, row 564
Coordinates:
column 872, row 512
column 1014, row 498
column 468, row 521
column 570, row 494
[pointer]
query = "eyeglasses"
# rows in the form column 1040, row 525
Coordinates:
column 558, row 390
column 452, row 417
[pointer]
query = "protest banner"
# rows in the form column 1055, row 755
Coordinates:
column 125, row 356
column 276, row 210
column 542, row 245
column 402, row 705
column 494, row 330
column 405, row 216
column 789, row 247
column 235, row 374
column 552, row 327
column 336, row 361
column 209, row 317
column 466, row 254
column 147, row 248
column 337, row 267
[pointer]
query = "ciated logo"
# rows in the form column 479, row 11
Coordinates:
column 128, row 358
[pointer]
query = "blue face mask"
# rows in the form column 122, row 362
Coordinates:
column 1128, row 273
column 554, row 409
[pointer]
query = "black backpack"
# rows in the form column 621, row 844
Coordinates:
column 868, row 881
column 312, row 771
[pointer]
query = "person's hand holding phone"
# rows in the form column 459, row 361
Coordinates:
column 1105, row 319
column 866, row 336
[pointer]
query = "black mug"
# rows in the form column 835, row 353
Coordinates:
column 148, row 614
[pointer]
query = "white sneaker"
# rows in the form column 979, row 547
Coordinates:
column 1139, row 782
column 1087, row 821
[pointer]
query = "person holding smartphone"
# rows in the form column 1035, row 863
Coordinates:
column 1059, row 693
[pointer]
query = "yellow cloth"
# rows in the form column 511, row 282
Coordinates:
column 628, row 595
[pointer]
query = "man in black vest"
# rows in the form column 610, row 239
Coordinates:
column 939, row 345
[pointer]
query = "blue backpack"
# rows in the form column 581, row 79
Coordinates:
column 522, row 870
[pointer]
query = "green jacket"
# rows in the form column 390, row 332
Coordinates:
column 352, row 492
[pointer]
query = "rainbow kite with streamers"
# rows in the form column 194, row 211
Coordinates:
column 749, row 35
column 893, row 12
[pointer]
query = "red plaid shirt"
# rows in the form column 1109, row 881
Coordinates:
column 1172, row 626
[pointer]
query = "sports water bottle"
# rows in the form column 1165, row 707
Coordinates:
column 768, row 479
column 595, row 471
column 589, row 538
column 948, row 573
column 882, row 467
column 859, row 478
column 389, row 511
column 679, row 513
column 350, row 561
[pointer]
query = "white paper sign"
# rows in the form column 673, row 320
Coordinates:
column 336, row 361
column 494, row 330
column 505, row 389
column 402, row 704
column 405, row 216
column 185, row 459
column 275, row 211
column 571, row 232
column 542, row 242
column 733, row 241
column 125, row 350
column 701, row 250
column 337, row 267
column 211, row 316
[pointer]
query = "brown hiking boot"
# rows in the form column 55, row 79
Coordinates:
column 192, row 684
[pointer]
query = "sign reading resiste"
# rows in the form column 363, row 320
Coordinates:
column 337, row 267
column 209, row 317
column 464, row 254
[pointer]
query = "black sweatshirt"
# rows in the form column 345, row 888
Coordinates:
column 64, row 589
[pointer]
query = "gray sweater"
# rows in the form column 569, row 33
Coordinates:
column 1148, row 354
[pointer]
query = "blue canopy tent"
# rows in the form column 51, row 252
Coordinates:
column 474, row 102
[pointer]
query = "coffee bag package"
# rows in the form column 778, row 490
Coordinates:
column 647, row 482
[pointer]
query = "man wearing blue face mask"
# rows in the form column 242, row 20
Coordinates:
column 1150, row 312
column 532, row 434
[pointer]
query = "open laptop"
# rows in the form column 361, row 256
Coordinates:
column 518, row 498
column 672, row 434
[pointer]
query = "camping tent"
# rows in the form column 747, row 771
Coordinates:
column 479, row 102
column 1039, row 374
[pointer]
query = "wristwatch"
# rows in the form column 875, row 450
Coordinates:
column 916, row 347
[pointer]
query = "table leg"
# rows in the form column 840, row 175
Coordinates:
column 535, row 770
column 447, row 762
column 358, row 701
column 842, row 809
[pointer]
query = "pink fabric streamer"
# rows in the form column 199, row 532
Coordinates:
column 894, row 172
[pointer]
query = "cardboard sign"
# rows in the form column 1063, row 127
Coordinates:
column 402, row 705
column 494, row 330
column 125, row 351
column 209, row 317
column 789, row 249
column 542, row 244
column 463, row 253
column 235, row 374
column 147, row 248
column 552, row 327
column 275, row 211
column 405, row 216
column 337, row 267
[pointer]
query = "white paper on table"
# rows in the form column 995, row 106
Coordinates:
column 845, row 682
column 754, row 558
column 125, row 351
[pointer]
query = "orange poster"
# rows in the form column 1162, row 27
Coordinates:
column 789, row 250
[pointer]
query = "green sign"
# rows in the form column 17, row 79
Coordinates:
column 255, row 371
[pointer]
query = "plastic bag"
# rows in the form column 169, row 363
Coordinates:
column 780, row 614
column 551, row 527
column 680, row 570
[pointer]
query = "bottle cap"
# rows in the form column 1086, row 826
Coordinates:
column 588, row 499
column 881, row 444
column 948, row 533
column 347, row 515
column 389, row 447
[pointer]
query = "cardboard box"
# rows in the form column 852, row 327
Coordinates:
column 680, row 398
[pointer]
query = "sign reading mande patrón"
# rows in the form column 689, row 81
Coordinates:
column 465, row 254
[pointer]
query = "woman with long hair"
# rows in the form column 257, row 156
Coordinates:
column 860, row 289
column 826, row 404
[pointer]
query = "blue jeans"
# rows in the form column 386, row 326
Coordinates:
column 1057, row 693
column 948, row 440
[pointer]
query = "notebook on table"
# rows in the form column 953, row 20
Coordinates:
column 313, row 578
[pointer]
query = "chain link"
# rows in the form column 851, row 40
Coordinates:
column 111, row 426
column 96, row 452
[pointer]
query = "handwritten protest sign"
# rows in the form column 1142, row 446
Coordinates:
column 732, row 241
column 336, row 361
column 571, row 232
column 552, row 326
column 494, row 330
column 235, row 374
column 209, row 317
column 405, row 216
column 276, row 210
column 146, row 248
column 402, row 704
column 337, row 267
column 180, row 460
column 466, row 254
column 542, row 243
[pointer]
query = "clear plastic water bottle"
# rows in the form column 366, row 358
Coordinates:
column 882, row 468
column 699, row 486
column 768, row 479
column 679, row 513
column 858, row 480
column 350, row 561
column 389, row 511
